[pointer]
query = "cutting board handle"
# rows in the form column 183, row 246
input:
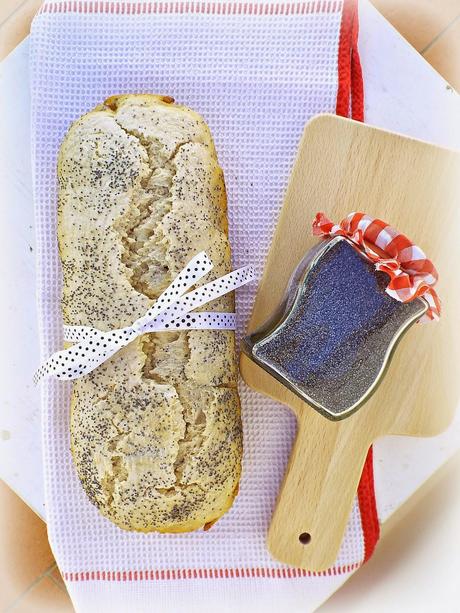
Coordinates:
column 317, row 493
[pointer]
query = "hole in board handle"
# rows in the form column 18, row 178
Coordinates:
column 304, row 538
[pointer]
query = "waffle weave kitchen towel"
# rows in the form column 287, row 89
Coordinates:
column 257, row 72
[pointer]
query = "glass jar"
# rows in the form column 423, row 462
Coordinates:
column 332, row 337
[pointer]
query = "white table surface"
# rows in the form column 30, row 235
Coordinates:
column 403, row 93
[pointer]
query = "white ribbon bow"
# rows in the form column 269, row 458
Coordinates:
column 173, row 310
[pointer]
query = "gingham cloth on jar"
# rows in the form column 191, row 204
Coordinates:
column 411, row 273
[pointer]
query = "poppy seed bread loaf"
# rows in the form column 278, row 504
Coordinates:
column 155, row 431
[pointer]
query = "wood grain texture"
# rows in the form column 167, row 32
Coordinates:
column 444, row 54
column 8, row 7
column 419, row 21
column 16, row 25
column 348, row 166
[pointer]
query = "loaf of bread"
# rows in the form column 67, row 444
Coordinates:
column 155, row 431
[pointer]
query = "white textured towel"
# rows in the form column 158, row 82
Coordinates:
column 257, row 72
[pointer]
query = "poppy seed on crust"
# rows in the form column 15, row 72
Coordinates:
column 155, row 431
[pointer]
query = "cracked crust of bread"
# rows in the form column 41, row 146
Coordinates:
column 156, row 433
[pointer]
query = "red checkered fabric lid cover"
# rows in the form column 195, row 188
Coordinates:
column 411, row 273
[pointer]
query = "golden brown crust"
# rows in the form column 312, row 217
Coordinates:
column 155, row 431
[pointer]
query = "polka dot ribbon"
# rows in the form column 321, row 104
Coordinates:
column 173, row 310
column 411, row 273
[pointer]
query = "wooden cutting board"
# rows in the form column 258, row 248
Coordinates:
column 344, row 166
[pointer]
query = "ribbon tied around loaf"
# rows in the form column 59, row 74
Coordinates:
column 173, row 310
column 411, row 273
